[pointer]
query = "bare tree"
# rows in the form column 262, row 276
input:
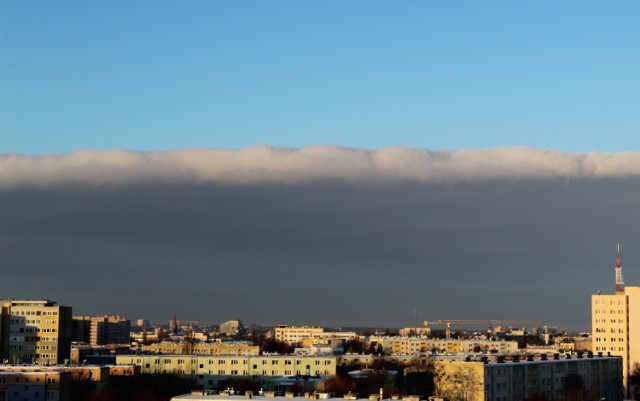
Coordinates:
column 457, row 382
column 189, row 342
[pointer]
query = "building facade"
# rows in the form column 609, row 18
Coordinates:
column 204, row 349
column 293, row 334
column 601, row 379
column 110, row 330
column 232, row 328
column 36, row 331
column 210, row 370
column 417, row 345
column 34, row 384
column 615, row 323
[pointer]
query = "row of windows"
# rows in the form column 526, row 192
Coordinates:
column 604, row 330
column 232, row 372
column 236, row 362
column 34, row 313
column 612, row 339
column 613, row 321
column 611, row 302
column 609, row 349
column 611, row 312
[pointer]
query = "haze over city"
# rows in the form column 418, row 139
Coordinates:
column 335, row 163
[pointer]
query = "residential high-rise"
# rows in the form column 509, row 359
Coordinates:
column 615, row 323
column 110, row 330
column 35, row 331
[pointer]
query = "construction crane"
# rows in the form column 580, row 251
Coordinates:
column 490, row 323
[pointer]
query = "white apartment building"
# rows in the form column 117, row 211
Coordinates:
column 293, row 334
column 309, row 335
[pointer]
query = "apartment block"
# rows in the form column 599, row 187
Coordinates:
column 110, row 330
column 35, row 331
column 417, row 345
column 204, row 349
column 615, row 322
column 34, row 384
column 313, row 335
column 522, row 379
column 293, row 334
column 210, row 370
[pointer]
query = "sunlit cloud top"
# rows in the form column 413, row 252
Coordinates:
column 263, row 164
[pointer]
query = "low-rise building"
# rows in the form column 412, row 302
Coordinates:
column 419, row 344
column 501, row 380
column 210, row 370
column 221, row 348
column 34, row 383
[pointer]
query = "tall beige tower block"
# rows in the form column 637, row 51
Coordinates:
column 615, row 323
column 35, row 331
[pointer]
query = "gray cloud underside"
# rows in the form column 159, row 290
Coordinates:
column 320, row 235
column 262, row 164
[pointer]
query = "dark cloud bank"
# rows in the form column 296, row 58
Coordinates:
column 338, row 249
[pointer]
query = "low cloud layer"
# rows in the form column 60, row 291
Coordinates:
column 262, row 164
column 320, row 235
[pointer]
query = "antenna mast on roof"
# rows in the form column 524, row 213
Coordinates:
column 619, row 280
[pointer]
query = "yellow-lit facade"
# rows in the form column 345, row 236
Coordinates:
column 615, row 323
column 277, row 365
column 29, row 383
column 416, row 345
column 205, row 349
column 507, row 381
column 36, row 331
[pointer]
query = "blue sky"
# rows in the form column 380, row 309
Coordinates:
column 230, row 74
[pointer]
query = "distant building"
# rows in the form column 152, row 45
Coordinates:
column 143, row 323
column 35, row 331
column 232, row 328
column 295, row 335
column 110, row 330
column 173, row 325
column 81, row 329
column 415, row 331
column 417, row 345
column 204, row 349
